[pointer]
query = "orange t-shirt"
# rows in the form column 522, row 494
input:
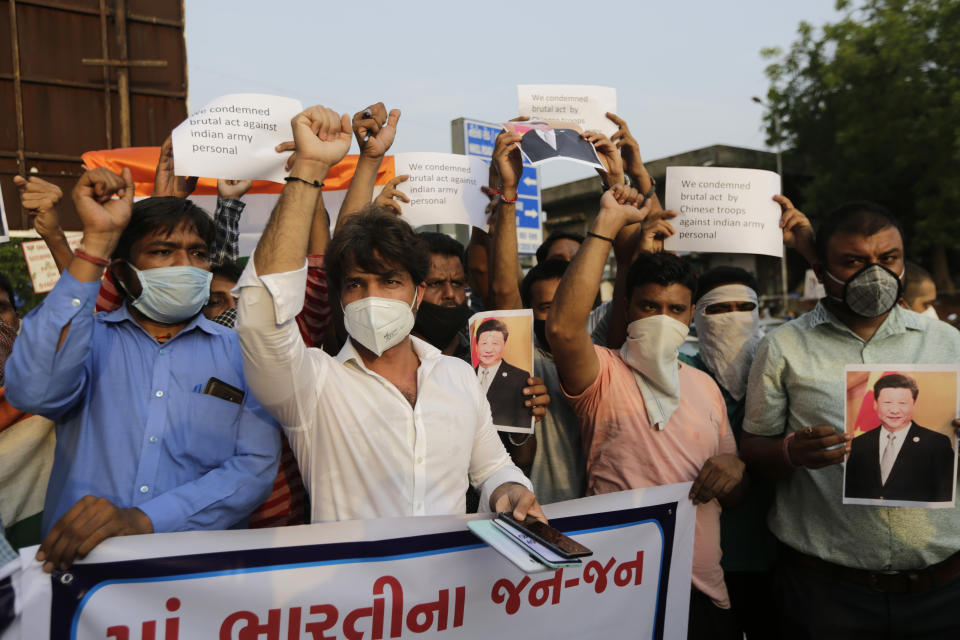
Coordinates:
column 624, row 451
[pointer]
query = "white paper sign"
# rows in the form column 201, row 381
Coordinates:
column 583, row 104
column 40, row 263
column 724, row 210
column 4, row 229
column 444, row 188
column 234, row 137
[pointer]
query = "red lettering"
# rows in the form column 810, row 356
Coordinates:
column 350, row 622
column 596, row 572
column 503, row 589
column 330, row 617
column 540, row 591
column 428, row 610
column 624, row 571
column 396, row 607
column 252, row 630
column 118, row 632
column 458, row 606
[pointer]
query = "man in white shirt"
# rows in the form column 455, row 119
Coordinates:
column 390, row 426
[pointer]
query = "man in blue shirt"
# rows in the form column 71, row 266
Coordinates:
column 141, row 446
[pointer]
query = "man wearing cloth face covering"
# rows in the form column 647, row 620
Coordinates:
column 646, row 418
column 390, row 426
column 140, row 448
column 848, row 570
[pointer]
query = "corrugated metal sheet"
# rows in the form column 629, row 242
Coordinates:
column 54, row 106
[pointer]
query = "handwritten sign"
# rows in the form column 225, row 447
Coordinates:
column 40, row 264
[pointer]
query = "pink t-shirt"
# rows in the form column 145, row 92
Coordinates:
column 624, row 451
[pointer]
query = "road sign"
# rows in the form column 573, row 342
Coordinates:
column 477, row 138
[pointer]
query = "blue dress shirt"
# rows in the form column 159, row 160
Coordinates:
column 131, row 426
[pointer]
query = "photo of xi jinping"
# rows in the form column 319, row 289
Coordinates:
column 899, row 459
column 501, row 381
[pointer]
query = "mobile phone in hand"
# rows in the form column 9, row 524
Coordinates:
column 546, row 535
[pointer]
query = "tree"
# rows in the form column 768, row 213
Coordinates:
column 872, row 105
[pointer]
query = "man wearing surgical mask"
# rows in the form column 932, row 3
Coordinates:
column 390, row 426
column 142, row 446
column 844, row 570
column 646, row 418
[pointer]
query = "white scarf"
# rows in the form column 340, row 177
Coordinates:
column 729, row 340
column 652, row 350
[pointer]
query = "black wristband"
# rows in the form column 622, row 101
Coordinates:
column 597, row 235
column 312, row 183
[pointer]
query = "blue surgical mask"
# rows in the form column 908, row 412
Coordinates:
column 172, row 294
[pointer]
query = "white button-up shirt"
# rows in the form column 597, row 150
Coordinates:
column 363, row 451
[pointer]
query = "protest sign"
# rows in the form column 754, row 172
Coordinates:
column 444, row 188
column 4, row 228
column 584, row 105
column 235, row 137
column 260, row 200
column 543, row 141
column 724, row 210
column 375, row 579
column 501, row 345
column 40, row 263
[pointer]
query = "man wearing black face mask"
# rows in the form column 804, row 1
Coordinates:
column 443, row 313
column 848, row 571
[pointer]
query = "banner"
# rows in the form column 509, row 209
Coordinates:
column 260, row 200
column 375, row 579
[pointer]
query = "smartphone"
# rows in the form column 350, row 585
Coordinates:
column 219, row 389
column 548, row 536
column 537, row 551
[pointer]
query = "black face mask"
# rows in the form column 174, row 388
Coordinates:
column 540, row 330
column 438, row 325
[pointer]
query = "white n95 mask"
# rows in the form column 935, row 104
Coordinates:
column 652, row 351
column 379, row 323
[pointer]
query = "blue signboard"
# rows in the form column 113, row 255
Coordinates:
column 479, row 141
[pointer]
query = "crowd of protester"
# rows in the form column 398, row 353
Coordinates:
column 163, row 385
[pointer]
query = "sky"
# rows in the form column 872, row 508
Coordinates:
column 685, row 71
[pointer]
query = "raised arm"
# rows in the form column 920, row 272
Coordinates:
column 46, row 373
column 39, row 199
column 632, row 162
column 226, row 220
column 165, row 180
column 322, row 139
column 375, row 131
column 572, row 348
column 797, row 230
column 507, row 164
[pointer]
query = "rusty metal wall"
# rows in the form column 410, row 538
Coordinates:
column 54, row 106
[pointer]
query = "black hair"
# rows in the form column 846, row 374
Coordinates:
column 662, row 269
column 376, row 240
column 6, row 285
column 725, row 274
column 861, row 217
column 544, row 248
column 443, row 245
column 227, row 269
column 914, row 275
column 895, row 381
column 163, row 215
column 492, row 324
column 552, row 269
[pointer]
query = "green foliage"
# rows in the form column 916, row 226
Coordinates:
column 14, row 267
column 872, row 104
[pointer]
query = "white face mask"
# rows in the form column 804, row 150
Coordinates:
column 930, row 312
column 379, row 323
column 652, row 350
column 728, row 340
